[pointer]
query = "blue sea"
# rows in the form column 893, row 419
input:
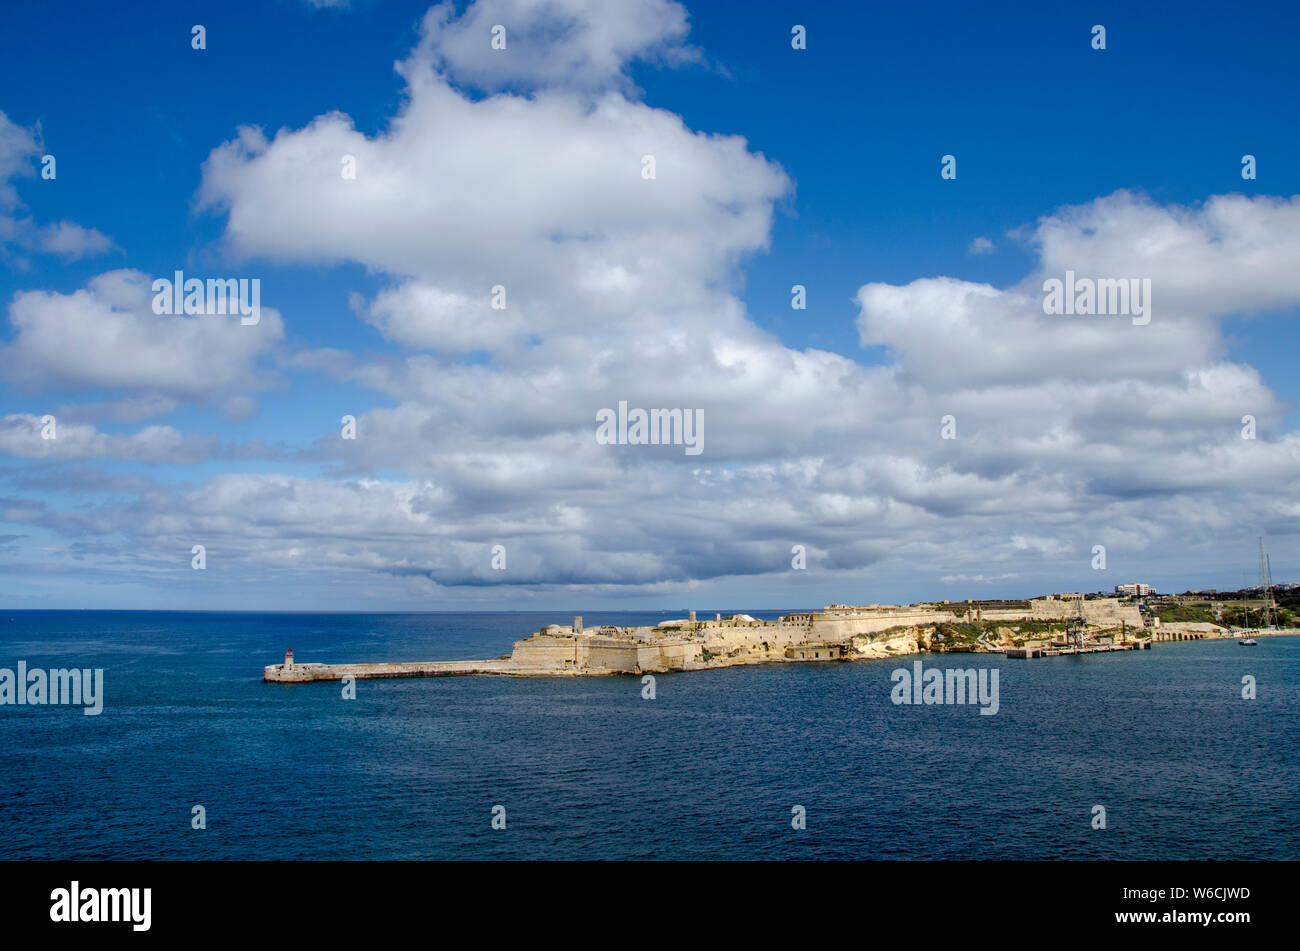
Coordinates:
column 711, row 768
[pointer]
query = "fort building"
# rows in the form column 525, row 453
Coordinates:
column 836, row 633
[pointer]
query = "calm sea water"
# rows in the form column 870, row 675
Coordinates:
column 588, row 769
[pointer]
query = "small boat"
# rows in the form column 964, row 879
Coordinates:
column 1247, row 641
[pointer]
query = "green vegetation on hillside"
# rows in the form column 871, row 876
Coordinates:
column 1236, row 617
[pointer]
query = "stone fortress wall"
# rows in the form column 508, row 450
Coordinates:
column 690, row 643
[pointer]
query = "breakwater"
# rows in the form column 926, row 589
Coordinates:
column 290, row 672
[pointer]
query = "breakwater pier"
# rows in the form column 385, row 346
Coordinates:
column 291, row 672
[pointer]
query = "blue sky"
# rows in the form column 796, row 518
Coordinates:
column 1037, row 119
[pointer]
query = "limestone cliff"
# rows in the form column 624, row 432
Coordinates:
column 890, row 643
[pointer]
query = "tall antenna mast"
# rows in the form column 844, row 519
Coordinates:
column 1266, row 583
column 1268, row 586
column 1268, row 570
